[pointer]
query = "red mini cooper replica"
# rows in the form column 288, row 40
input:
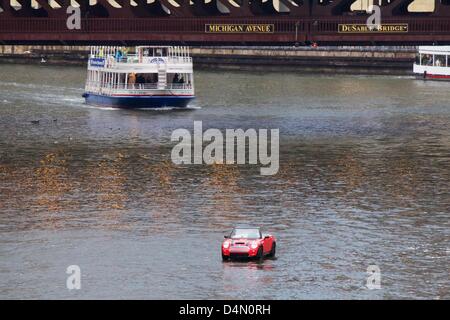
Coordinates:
column 244, row 242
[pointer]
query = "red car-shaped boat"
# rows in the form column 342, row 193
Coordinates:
column 248, row 242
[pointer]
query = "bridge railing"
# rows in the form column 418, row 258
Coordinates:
column 138, row 25
column 184, row 25
column 285, row 29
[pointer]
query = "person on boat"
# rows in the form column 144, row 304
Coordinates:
column 119, row 55
column 176, row 78
column 427, row 60
column 132, row 79
column 181, row 80
column 140, row 78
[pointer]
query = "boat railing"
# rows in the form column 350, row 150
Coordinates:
column 179, row 86
column 137, row 86
column 107, row 87
column 111, row 60
column 180, row 59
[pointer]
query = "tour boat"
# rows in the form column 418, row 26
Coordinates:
column 433, row 62
column 148, row 77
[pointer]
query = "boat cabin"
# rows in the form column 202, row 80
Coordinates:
column 433, row 62
column 119, row 70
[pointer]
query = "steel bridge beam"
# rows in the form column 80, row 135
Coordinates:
column 165, row 21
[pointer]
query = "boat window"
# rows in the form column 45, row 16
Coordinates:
column 439, row 60
column 160, row 52
column 427, row 60
column 418, row 56
column 142, row 78
column 179, row 78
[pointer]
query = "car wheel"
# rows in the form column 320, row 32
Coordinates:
column 260, row 254
column 225, row 258
column 273, row 250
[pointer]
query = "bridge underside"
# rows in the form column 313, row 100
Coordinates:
column 224, row 22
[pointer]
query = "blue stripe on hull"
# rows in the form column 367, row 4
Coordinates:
column 131, row 102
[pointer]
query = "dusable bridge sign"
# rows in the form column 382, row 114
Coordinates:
column 363, row 28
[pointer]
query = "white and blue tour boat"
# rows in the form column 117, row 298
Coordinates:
column 149, row 77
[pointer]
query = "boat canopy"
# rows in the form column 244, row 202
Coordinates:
column 434, row 50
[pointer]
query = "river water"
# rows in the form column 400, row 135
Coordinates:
column 363, row 180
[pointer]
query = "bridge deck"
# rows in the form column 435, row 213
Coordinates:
column 309, row 22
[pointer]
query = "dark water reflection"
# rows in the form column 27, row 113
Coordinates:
column 364, row 179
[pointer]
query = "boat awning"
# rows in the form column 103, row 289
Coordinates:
column 434, row 50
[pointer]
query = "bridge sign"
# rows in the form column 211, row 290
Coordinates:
column 239, row 28
column 363, row 28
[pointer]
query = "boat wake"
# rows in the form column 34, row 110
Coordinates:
column 89, row 106
column 168, row 108
column 161, row 109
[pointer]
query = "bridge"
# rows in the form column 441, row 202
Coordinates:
column 220, row 22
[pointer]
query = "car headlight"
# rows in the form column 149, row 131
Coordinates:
column 254, row 245
column 226, row 244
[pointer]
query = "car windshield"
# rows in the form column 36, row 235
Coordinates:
column 245, row 234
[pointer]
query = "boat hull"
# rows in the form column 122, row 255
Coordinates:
column 440, row 77
column 432, row 72
column 138, row 102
